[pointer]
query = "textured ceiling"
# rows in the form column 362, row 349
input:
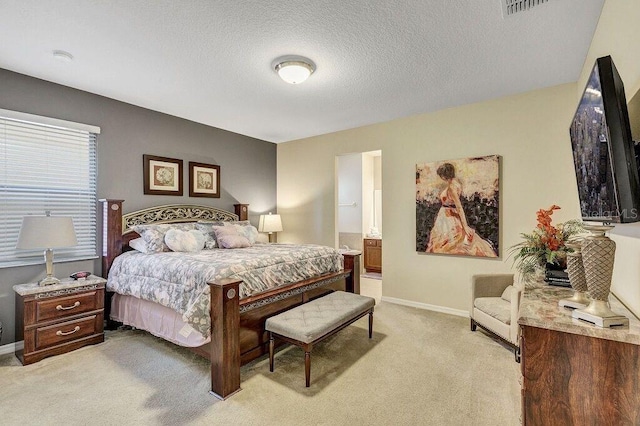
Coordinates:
column 210, row 61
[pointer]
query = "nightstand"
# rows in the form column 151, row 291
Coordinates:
column 58, row 318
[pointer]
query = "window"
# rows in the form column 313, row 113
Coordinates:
column 46, row 164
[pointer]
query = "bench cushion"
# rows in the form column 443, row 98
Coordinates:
column 312, row 320
column 496, row 307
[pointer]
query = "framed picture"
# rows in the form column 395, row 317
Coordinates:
column 457, row 207
column 162, row 176
column 204, row 180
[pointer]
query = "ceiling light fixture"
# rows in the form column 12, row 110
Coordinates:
column 294, row 70
column 62, row 55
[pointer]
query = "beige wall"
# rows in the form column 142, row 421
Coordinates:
column 529, row 131
column 618, row 35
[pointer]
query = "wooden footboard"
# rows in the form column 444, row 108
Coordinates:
column 237, row 326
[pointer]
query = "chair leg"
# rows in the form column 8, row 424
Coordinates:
column 271, row 347
column 473, row 325
column 370, row 324
column 307, row 368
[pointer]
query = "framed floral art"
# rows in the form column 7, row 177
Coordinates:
column 162, row 176
column 204, row 180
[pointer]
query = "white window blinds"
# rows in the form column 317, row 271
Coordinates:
column 46, row 164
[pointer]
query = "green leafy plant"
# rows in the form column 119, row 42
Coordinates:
column 544, row 245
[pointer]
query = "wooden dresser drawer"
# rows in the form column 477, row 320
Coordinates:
column 66, row 331
column 50, row 309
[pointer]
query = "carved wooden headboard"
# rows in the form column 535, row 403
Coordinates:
column 116, row 227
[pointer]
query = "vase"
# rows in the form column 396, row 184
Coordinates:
column 598, row 255
column 577, row 278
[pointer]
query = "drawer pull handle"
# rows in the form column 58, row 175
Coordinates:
column 66, row 308
column 63, row 333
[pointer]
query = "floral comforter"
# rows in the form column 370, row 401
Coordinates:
column 179, row 280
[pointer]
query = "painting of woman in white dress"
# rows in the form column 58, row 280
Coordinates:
column 457, row 207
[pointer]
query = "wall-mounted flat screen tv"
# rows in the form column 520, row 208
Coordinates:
column 603, row 150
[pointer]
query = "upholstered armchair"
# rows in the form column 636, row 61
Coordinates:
column 495, row 302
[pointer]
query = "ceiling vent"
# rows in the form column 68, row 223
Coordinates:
column 511, row 7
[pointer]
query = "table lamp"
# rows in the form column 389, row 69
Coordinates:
column 270, row 223
column 47, row 232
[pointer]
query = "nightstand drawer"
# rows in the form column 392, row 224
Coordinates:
column 66, row 331
column 49, row 309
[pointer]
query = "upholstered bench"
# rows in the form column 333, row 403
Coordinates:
column 309, row 323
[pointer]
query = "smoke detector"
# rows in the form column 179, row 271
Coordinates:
column 511, row 7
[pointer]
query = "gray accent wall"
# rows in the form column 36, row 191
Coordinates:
column 247, row 165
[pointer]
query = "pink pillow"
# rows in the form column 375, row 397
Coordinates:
column 230, row 237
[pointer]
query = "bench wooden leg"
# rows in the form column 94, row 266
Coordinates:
column 271, row 347
column 307, row 367
column 370, row 324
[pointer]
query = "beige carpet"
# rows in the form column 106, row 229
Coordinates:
column 421, row 368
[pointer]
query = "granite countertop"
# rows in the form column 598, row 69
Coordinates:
column 539, row 308
column 65, row 283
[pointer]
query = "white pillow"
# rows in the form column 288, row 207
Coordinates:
column 140, row 245
column 184, row 241
column 506, row 294
column 153, row 234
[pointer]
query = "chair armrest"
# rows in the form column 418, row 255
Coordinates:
column 514, row 332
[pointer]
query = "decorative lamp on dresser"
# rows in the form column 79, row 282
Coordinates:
column 373, row 254
column 573, row 372
column 58, row 318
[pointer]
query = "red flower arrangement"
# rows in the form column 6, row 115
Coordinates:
column 545, row 245
column 552, row 237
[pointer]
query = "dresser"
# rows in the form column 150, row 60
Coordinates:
column 574, row 373
column 373, row 254
column 58, row 318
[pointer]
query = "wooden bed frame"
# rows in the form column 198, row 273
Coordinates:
column 237, row 326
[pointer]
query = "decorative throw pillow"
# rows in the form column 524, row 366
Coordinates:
column 506, row 294
column 206, row 227
column 209, row 236
column 230, row 237
column 139, row 245
column 237, row 222
column 184, row 241
column 248, row 230
column 153, row 235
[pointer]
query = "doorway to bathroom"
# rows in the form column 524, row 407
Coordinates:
column 359, row 211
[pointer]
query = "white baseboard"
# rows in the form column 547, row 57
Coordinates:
column 435, row 308
column 11, row 347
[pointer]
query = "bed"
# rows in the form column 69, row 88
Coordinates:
column 238, row 304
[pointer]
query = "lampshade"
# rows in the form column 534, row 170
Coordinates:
column 295, row 71
column 270, row 223
column 46, row 232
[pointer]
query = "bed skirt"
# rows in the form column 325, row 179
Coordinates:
column 158, row 320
